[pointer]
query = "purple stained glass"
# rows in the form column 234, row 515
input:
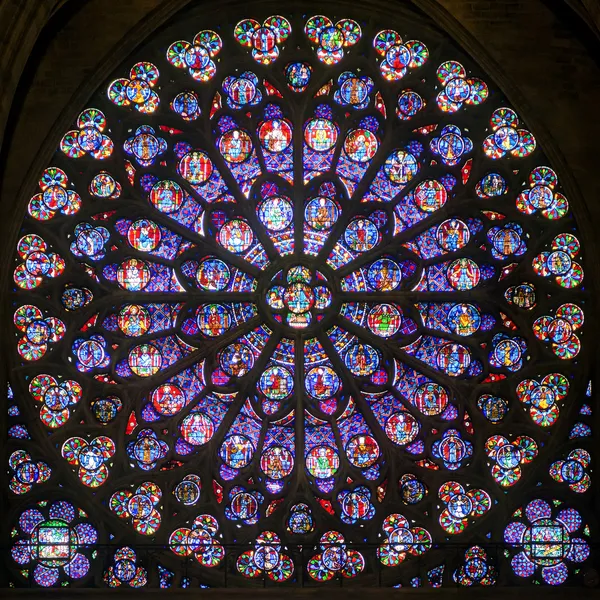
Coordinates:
column 317, row 290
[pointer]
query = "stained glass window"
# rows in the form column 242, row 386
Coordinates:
column 298, row 299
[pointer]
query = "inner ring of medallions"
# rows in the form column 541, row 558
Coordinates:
column 297, row 295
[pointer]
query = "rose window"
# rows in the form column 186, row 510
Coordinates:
column 304, row 291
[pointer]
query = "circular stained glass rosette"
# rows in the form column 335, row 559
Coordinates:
column 303, row 278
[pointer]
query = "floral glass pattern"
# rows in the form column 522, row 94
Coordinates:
column 279, row 284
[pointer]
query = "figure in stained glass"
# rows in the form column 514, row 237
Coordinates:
column 334, row 277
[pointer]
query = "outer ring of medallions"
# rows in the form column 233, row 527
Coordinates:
column 265, row 283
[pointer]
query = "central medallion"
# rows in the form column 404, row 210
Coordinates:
column 299, row 296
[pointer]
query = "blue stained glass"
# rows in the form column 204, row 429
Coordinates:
column 312, row 271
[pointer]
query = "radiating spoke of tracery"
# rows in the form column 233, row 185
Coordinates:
column 298, row 285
